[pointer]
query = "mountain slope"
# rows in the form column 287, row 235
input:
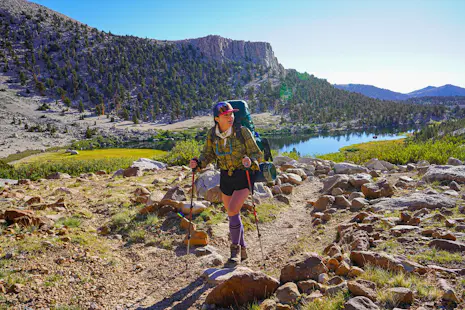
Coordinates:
column 385, row 94
column 443, row 91
column 149, row 80
column 372, row 91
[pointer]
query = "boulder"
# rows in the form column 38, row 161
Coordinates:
column 415, row 201
column 339, row 180
column 341, row 202
column 118, row 173
column 332, row 250
column 198, row 238
column 448, row 292
column 205, row 181
column 360, row 303
column 354, row 195
column 447, row 245
column 214, row 195
column 323, row 203
column 358, row 204
column 359, row 289
column 293, row 178
column 132, row 172
column 175, row 193
column 445, row 173
column 197, row 207
column 58, row 176
column 281, row 160
column 359, row 179
column 337, row 191
column 146, row 164
column 303, row 267
column 261, row 191
column 355, row 272
column 242, row 288
column 454, row 161
column 382, row 260
column 454, row 186
column 308, row 286
column 288, row 293
column 300, row 172
column 348, row 168
column 268, row 304
column 375, row 164
column 342, row 269
column 333, row 290
column 401, row 294
column 287, row 188
column 379, row 189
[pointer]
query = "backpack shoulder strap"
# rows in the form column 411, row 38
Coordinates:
column 213, row 134
column 239, row 133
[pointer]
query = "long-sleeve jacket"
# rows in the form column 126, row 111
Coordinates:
column 229, row 156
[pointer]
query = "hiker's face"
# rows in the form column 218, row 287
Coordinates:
column 225, row 121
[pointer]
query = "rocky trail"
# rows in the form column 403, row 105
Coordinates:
column 377, row 236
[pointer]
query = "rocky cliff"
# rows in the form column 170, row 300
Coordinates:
column 223, row 49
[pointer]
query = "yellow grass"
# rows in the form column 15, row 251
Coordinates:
column 93, row 154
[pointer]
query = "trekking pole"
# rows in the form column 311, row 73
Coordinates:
column 190, row 214
column 256, row 218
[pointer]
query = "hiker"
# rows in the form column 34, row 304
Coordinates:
column 235, row 150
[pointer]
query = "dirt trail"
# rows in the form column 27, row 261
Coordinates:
column 291, row 233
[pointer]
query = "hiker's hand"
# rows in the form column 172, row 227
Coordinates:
column 246, row 162
column 193, row 163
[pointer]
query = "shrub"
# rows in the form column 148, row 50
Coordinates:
column 182, row 152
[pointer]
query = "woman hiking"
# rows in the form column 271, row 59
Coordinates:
column 234, row 150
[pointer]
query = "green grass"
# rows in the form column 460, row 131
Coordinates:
column 438, row 256
column 137, row 236
column 426, row 290
column 52, row 280
column 400, row 151
column 266, row 212
column 71, row 222
column 210, row 216
column 122, row 218
column 335, row 302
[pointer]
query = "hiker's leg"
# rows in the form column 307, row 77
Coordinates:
column 235, row 205
column 237, row 200
column 226, row 199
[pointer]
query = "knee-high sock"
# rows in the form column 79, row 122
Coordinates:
column 241, row 240
column 235, row 227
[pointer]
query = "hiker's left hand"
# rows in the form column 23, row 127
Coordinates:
column 246, row 162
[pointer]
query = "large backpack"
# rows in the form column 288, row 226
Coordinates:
column 243, row 118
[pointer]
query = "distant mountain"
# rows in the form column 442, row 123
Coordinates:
column 385, row 94
column 372, row 91
column 446, row 90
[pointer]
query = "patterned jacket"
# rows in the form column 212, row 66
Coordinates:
column 229, row 156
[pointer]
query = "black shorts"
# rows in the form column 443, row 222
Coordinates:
column 238, row 181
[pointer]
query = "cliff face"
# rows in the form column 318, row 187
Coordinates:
column 223, row 49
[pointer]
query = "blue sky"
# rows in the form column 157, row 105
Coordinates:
column 398, row 45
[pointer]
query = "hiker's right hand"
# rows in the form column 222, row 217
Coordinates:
column 193, row 163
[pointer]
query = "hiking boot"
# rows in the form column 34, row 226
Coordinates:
column 235, row 258
column 243, row 253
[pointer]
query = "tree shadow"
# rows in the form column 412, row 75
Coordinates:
column 184, row 298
